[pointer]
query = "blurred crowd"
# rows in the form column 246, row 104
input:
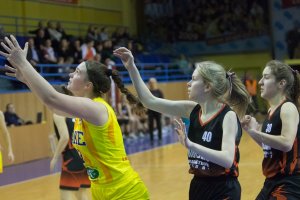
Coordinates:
column 51, row 44
column 192, row 20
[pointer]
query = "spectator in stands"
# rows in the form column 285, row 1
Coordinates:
column 64, row 53
column 118, row 36
column 11, row 117
column 184, row 65
column 132, row 46
column 52, row 33
column 292, row 39
column 92, row 33
column 123, row 114
column 5, row 133
column 59, row 28
column 88, row 50
column 98, row 57
column 107, row 50
column 48, row 54
column 76, row 51
column 128, row 118
column 103, row 35
column 109, row 62
column 40, row 27
column 33, row 55
column 40, row 39
column 99, row 47
column 153, row 115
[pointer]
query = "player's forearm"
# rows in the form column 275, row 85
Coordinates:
column 222, row 158
column 142, row 90
column 61, row 145
column 275, row 141
column 38, row 84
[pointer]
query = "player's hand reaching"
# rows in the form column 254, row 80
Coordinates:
column 53, row 163
column 13, row 72
column 126, row 56
column 181, row 132
column 15, row 54
column 11, row 156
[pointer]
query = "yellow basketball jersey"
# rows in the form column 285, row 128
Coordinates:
column 102, row 149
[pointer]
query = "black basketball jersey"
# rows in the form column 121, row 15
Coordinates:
column 210, row 134
column 71, row 158
column 275, row 161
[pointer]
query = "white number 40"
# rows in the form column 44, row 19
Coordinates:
column 207, row 136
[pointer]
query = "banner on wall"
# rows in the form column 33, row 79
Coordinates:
column 63, row 1
column 290, row 3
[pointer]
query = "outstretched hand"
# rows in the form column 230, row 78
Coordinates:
column 53, row 163
column 11, row 156
column 126, row 56
column 15, row 73
column 15, row 54
column 181, row 132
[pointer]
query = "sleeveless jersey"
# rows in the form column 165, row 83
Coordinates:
column 210, row 134
column 71, row 159
column 277, row 162
column 102, row 148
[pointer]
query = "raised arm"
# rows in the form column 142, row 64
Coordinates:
column 63, row 140
column 5, row 133
column 74, row 106
column 176, row 108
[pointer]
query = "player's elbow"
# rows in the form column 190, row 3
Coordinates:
column 228, row 161
column 286, row 147
column 286, row 144
column 52, row 100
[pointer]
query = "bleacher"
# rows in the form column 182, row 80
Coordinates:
column 150, row 65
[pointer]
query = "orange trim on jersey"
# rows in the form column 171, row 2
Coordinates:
column 92, row 148
column 64, row 164
column 212, row 117
column 278, row 193
column 236, row 164
column 283, row 163
column 295, row 157
column 271, row 113
column 111, row 135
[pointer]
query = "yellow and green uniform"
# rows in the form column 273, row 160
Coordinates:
column 103, row 152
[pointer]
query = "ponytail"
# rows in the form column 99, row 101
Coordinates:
column 238, row 97
column 295, row 90
column 133, row 100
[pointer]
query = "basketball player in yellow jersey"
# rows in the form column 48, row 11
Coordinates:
column 97, row 134
column 5, row 133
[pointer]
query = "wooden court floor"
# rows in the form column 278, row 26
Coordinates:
column 164, row 171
